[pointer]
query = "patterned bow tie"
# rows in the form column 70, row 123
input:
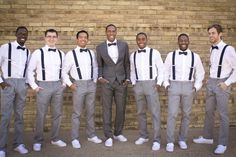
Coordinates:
column 22, row 48
column 214, row 47
column 110, row 44
column 143, row 50
column 83, row 50
column 182, row 53
column 54, row 50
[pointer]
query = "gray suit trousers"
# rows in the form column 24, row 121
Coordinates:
column 51, row 94
column 179, row 92
column 83, row 97
column 119, row 92
column 147, row 97
column 12, row 99
column 217, row 99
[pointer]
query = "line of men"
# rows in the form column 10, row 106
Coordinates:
column 48, row 71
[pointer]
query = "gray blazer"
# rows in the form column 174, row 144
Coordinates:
column 110, row 70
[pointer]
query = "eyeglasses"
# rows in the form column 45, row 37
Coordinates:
column 49, row 36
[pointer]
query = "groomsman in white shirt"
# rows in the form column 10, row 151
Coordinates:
column 222, row 76
column 46, row 65
column 81, row 64
column 146, row 77
column 183, row 77
column 14, row 57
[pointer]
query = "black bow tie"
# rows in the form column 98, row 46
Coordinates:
column 22, row 48
column 85, row 50
column 54, row 50
column 110, row 44
column 182, row 53
column 214, row 47
column 143, row 50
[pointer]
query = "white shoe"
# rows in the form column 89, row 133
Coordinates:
column 141, row 140
column 170, row 147
column 202, row 140
column 155, row 146
column 21, row 149
column 37, row 147
column 220, row 149
column 120, row 138
column 95, row 139
column 109, row 142
column 2, row 153
column 59, row 143
column 75, row 143
column 183, row 145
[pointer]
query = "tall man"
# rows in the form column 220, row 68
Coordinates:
column 222, row 75
column 184, row 74
column 46, row 64
column 113, row 74
column 14, row 58
column 147, row 77
column 82, row 65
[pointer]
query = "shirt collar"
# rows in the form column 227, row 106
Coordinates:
column 17, row 44
column 115, row 41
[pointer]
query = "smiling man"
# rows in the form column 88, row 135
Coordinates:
column 14, row 58
column 81, row 63
column 183, row 77
column 46, row 65
column 113, row 74
column 147, row 77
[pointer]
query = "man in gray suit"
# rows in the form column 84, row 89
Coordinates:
column 113, row 74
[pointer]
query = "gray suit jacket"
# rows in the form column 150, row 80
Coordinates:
column 110, row 70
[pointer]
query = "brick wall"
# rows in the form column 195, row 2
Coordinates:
column 161, row 20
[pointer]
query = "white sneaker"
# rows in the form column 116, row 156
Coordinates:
column 120, row 138
column 202, row 140
column 37, row 147
column 170, row 147
column 155, row 146
column 141, row 140
column 21, row 149
column 59, row 143
column 75, row 144
column 109, row 142
column 183, row 145
column 220, row 149
column 2, row 153
column 95, row 139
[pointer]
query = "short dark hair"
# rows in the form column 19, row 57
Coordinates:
column 21, row 27
column 110, row 25
column 218, row 28
column 50, row 30
column 82, row 31
column 141, row 33
column 183, row 34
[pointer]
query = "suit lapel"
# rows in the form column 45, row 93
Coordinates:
column 119, row 46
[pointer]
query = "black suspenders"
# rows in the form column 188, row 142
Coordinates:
column 43, row 64
column 150, row 64
column 9, row 60
column 77, row 64
column 220, row 62
column 191, row 68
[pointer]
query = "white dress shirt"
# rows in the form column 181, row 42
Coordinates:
column 143, row 66
column 18, row 60
column 52, row 64
column 182, row 68
column 113, row 51
column 84, row 62
column 228, row 64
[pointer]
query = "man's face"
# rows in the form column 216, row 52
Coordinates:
column 183, row 42
column 51, row 39
column 111, row 33
column 21, row 36
column 82, row 40
column 214, row 36
column 141, row 41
